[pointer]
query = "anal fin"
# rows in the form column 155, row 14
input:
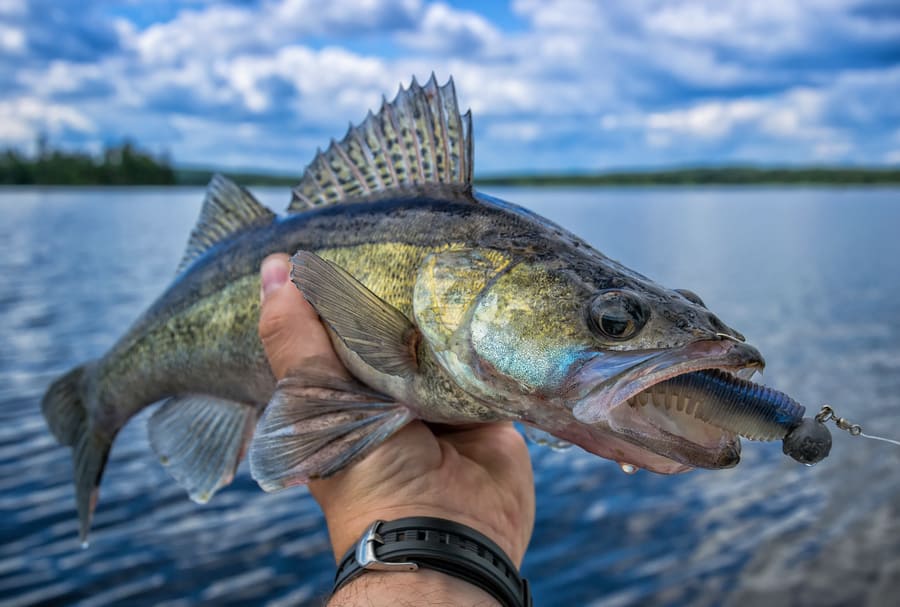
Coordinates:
column 200, row 440
column 316, row 425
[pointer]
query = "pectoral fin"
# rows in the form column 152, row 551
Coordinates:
column 201, row 440
column 376, row 331
column 316, row 425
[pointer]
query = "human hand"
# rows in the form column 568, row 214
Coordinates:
column 479, row 476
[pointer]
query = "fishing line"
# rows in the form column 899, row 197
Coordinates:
column 881, row 438
column 827, row 414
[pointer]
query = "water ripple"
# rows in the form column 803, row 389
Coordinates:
column 822, row 305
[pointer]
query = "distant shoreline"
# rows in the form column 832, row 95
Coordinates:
column 674, row 177
column 126, row 164
column 726, row 175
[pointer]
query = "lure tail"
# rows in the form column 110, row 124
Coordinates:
column 66, row 409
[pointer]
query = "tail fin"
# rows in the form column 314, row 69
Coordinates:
column 69, row 421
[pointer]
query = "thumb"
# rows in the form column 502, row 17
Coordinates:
column 290, row 330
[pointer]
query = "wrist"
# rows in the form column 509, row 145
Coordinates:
column 413, row 544
column 377, row 589
column 346, row 526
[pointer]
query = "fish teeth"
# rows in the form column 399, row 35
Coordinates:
column 746, row 373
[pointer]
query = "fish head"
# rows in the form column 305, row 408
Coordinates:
column 645, row 334
column 564, row 343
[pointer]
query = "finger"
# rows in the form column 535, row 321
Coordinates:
column 289, row 327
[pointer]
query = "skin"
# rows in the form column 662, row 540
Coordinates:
column 480, row 476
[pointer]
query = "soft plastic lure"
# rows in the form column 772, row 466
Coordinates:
column 742, row 407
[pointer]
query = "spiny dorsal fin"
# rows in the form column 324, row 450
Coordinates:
column 227, row 209
column 417, row 141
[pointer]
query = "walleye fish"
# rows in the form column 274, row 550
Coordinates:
column 444, row 303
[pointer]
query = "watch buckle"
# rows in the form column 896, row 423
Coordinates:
column 365, row 553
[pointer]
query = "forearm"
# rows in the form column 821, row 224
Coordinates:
column 422, row 588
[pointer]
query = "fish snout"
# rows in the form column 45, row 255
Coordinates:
column 742, row 355
column 713, row 328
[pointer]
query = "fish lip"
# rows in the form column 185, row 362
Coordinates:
column 659, row 366
column 725, row 454
column 603, row 404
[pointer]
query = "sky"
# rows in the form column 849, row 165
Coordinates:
column 554, row 85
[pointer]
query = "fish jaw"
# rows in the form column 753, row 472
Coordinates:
column 658, row 440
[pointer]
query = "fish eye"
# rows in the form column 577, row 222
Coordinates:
column 617, row 315
column 691, row 297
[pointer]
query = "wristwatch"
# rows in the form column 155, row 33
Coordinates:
column 434, row 543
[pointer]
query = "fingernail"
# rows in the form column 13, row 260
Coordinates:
column 275, row 272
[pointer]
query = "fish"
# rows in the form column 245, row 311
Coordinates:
column 444, row 303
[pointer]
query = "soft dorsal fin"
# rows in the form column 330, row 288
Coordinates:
column 227, row 209
column 417, row 140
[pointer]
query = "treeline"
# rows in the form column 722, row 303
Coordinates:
column 709, row 176
column 691, row 176
column 201, row 177
column 122, row 164
column 127, row 164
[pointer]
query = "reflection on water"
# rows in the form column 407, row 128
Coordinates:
column 809, row 275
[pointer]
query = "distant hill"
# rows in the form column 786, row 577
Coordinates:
column 727, row 175
column 689, row 176
column 193, row 176
column 127, row 164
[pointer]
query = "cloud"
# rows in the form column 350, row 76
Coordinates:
column 223, row 30
column 443, row 29
column 63, row 29
column 23, row 116
column 554, row 84
column 12, row 40
column 706, row 120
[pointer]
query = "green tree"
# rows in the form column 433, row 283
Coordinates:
column 122, row 164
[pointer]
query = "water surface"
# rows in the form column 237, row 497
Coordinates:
column 810, row 276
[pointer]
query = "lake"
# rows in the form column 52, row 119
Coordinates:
column 810, row 275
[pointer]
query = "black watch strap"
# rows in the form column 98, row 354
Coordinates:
column 446, row 546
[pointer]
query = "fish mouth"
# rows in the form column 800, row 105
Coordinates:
column 666, row 439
